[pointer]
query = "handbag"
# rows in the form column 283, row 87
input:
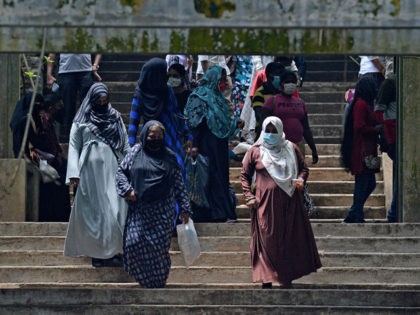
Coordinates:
column 372, row 162
column 188, row 242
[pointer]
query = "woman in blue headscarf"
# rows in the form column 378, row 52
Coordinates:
column 211, row 123
column 154, row 99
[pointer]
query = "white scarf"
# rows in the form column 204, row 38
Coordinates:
column 279, row 159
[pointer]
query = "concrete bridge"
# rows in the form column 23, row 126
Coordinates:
column 223, row 26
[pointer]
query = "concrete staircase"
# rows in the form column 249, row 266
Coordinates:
column 371, row 268
column 367, row 268
column 326, row 81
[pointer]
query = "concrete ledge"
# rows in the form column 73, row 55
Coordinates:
column 19, row 191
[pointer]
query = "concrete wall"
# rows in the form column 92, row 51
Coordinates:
column 212, row 26
column 408, row 140
column 9, row 91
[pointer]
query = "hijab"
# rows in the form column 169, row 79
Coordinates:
column 152, row 173
column 279, row 159
column 107, row 126
column 207, row 102
column 20, row 114
column 152, row 89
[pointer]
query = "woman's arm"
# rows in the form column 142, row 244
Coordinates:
column 123, row 181
column 134, row 121
column 181, row 194
column 303, row 170
column 75, row 148
column 362, row 115
column 247, row 172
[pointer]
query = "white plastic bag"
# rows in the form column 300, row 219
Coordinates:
column 188, row 242
column 48, row 173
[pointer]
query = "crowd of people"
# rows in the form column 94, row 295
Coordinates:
column 131, row 190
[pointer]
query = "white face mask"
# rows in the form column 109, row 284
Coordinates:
column 289, row 88
column 174, row 82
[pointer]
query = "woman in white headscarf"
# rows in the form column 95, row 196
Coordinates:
column 283, row 245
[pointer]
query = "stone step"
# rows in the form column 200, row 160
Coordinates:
column 325, row 119
column 46, row 229
column 322, row 96
column 326, row 75
column 396, row 244
column 221, row 259
column 319, row 187
column 374, row 200
column 325, row 108
column 326, row 275
column 327, row 130
column 205, row 309
column 327, row 212
column 333, row 199
column 323, row 161
column 315, row 174
column 342, row 296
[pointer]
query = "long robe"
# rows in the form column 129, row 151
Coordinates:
column 149, row 227
column 283, row 245
column 97, row 219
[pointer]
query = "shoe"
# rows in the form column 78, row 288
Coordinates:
column 98, row 263
column 116, row 261
column 349, row 220
column 267, row 285
column 232, row 221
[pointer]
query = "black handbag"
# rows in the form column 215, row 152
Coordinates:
column 372, row 162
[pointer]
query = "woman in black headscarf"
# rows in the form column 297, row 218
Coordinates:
column 150, row 178
column 98, row 140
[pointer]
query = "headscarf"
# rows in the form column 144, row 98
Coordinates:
column 207, row 102
column 152, row 89
column 20, row 114
column 109, row 126
column 152, row 174
column 278, row 159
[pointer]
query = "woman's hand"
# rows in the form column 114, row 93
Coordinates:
column 298, row 183
column 131, row 196
column 240, row 124
column 74, row 181
column 252, row 204
column 185, row 217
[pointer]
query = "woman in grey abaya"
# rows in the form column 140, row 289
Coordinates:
column 98, row 139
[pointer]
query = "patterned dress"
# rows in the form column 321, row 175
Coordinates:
column 148, row 229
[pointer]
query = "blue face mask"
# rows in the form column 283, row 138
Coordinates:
column 271, row 138
column 276, row 82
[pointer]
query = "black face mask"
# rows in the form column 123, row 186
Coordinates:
column 155, row 144
column 100, row 109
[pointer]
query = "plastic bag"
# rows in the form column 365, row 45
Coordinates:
column 48, row 173
column 197, row 180
column 188, row 242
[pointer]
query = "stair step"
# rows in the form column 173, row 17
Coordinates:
column 235, row 297
column 326, row 275
column 315, row 174
column 328, row 213
column 205, row 309
column 237, row 243
column 319, row 187
column 221, row 259
column 47, row 229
